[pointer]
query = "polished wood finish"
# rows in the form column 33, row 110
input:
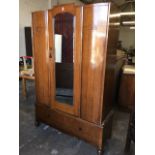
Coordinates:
column 99, row 48
column 40, row 53
column 72, row 125
column 96, row 17
column 77, row 12
column 69, row 8
column 90, row 117
column 93, row 60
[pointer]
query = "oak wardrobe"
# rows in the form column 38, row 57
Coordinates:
column 74, row 88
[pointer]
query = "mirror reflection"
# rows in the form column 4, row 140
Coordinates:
column 63, row 31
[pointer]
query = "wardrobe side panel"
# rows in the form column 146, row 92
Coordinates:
column 113, row 64
column 93, row 60
column 40, row 53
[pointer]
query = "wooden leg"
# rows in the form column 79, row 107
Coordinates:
column 37, row 123
column 100, row 152
column 24, row 87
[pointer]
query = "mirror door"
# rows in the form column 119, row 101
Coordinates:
column 64, row 63
column 65, row 40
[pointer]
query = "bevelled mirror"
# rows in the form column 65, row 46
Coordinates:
column 64, row 47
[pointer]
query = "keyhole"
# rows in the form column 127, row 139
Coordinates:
column 80, row 129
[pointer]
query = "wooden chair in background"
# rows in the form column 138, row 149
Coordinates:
column 26, row 73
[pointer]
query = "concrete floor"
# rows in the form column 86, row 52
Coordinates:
column 45, row 140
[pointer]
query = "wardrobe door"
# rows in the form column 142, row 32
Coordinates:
column 65, row 27
column 95, row 28
column 40, row 53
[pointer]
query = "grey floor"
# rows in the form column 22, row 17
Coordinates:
column 45, row 140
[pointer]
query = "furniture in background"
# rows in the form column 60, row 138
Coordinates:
column 126, row 98
column 26, row 71
column 28, row 41
column 74, row 95
column 131, row 56
column 26, row 63
column 113, row 72
column 24, row 79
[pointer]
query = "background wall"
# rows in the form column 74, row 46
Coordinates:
column 26, row 7
column 56, row 2
column 127, row 36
